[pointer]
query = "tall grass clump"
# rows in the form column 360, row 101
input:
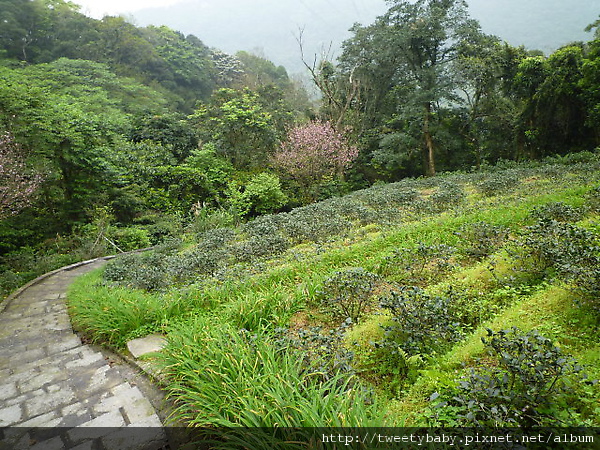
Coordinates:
column 115, row 314
column 222, row 377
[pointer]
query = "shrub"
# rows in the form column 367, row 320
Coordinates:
column 447, row 195
column 147, row 271
column 566, row 251
column 348, row 293
column 418, row 264
column 130, row 238
column 529, row 386
column 262, row 195
column 323, row 350
column 206, row 219
column 421, row 324
column 498, row 183
column 481, row 239
column 265, row 240
column 593, row 199
column 559, row 211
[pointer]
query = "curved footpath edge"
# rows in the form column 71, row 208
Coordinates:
column 55, row 391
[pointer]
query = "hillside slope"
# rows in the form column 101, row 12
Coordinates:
column 369, row 309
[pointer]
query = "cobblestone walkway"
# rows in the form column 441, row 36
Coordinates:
column 56, row 393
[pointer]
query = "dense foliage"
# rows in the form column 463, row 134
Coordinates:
column 312, row 291
column 426, row 302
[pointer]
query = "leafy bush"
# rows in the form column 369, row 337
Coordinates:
column 348, row 293
column 423, row 263
column 593, row 199
column 559, row 211
column 498, row 183
column 481, row 239
column 130, row 238
column 262, row 195
column 147, row 271
column 421, row 324
column 447, row 195
column 323, row 350
column 564, row 250
column 207, row 219
column 529, row 387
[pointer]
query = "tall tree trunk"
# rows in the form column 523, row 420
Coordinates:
column 428, row 149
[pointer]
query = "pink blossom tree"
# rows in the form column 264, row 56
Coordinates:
column 313, row 153
column 17, row 184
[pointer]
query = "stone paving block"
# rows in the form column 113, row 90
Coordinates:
column 107, row 402
column 104, row 378
column 9, row 349
column 76, row 409
column 28, row 356
column 49, row 376
column 47, row 420
column 48, row 402
column 16, row 439
column 67, row 342
column 127, row 392
column 138, row 410
column 145, row 345
column 24, row 371
column 88, row 445
column 10, row 415
column 58, row 359
column 135, row 439
column 85, row 361
column 50, row 444
column 8, row 390
column 96, row 428
column 23, row 397
column 75, row 420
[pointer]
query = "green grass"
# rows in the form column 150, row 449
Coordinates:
column 224, row 329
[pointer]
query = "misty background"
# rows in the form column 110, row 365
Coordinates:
column 270, row 28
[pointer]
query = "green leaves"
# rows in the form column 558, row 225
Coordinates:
column 528, row 388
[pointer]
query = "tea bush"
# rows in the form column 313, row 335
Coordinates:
column 348, row 293
column 593, row 199
column 559, row 211
column 147, row 271
column 566, row 251
column 529, row 386
column 419, row 264
column 447, row 195
column 498, row 183
column 421, row 324
column 480, row 239
column 322, row 349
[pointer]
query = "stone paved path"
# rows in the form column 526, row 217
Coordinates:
column 56, row 393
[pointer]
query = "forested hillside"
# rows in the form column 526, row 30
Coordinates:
column 272, row 26
column 117, row 136
column 320, row 263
